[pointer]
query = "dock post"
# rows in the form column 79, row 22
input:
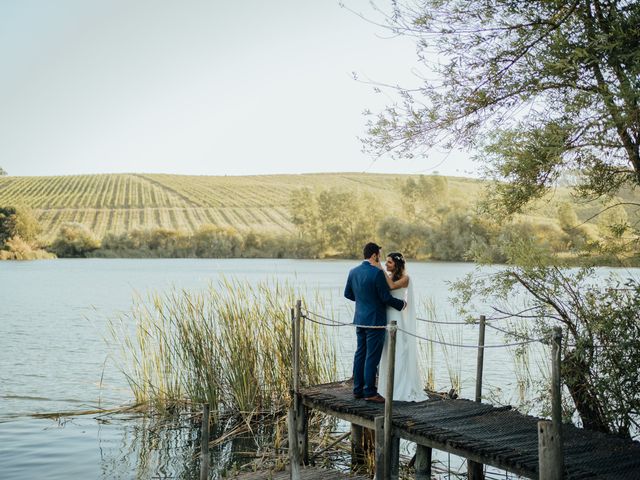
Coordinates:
column 379, row 429
column 302, row 433
column 204, row 444
column 550, row 457
column 423, row 462
column 357, row 446
column 388, row 404
column 294, row 454
column 480, row 362
column 299, row 410
column 475, row 470
column 295, row 329
column 394, row 472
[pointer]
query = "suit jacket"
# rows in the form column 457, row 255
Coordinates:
column 367, row 286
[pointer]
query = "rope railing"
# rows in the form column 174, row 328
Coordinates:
column 336, row 323
column 460, row 345
column 441, row 322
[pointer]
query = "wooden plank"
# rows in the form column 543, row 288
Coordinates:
column 484, row 434
column 348, row 417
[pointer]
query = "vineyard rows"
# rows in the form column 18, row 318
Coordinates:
column 119, row 203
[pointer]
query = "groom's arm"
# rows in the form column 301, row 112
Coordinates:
column 348, row 289
column 385, row 294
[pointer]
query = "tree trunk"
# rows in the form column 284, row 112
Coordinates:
column 575, row 374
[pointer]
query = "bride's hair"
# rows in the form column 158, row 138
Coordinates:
column 398, row 260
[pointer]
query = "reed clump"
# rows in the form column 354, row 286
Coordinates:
column 228, row 346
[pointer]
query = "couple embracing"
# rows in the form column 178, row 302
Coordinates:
column 381, row 297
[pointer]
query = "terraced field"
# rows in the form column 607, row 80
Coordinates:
column 117, row 203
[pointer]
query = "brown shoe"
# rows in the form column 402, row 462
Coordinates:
column 375, row 399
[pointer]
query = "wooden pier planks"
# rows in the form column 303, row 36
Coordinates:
column 494, row 436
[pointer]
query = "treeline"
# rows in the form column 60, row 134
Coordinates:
column 209, row 241
column 425, row 220
column 431, row 223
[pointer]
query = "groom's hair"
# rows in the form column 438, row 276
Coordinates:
column 369, row 249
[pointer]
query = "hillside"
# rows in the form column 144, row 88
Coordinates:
column 119, row 202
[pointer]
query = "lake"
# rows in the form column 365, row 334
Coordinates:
column 54, row 357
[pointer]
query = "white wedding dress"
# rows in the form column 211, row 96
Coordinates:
column 408, row 383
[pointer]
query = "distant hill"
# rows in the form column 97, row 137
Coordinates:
column 119, row 202
column 115, row 203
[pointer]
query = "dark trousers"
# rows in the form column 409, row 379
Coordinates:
column 366, row 360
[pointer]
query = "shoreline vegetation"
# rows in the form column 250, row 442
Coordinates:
column 311, row 216
column 228, row 346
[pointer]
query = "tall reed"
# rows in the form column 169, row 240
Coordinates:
column 229, row 346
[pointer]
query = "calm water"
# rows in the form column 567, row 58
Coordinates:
column 53, row 357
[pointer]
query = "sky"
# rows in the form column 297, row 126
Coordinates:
column 198, row 87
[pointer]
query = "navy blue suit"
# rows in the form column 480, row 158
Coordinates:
column 367, row 286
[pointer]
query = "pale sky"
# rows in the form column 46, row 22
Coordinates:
column 204, row 87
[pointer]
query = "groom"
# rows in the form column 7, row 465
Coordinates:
column 367, row 286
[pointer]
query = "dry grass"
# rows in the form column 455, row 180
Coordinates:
column 229, row 346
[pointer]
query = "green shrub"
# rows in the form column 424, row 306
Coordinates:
column 74, row 240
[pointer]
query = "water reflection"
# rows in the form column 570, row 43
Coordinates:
column 156, row 447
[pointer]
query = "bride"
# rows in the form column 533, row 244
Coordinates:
column 407, row 379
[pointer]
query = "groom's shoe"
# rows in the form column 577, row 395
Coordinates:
column 375, row 399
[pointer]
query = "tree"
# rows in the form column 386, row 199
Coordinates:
column 601, row 347
column 18, row 222
column 541, row 86
column 425, row 200
column 337, row 221
column 3, row 172
column 74, row 240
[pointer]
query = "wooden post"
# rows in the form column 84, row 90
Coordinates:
column 299, row 410
column 204, row 444
column 379, row 427
column 550, row 457
column 480, row 363
column 302, row 432
column 423, row 463
column 395, row 458
column 294, row 454
column 475, row 470
column 296, row 347
column 357, row 446
column 556, row 386
column 549, row 452
column 388, row 404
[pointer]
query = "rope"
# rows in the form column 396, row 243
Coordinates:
column 470, row 346
column 445, row 323
column 337, row 323
column 323, row 317
column 507, row 332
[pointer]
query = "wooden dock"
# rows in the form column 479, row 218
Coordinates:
column 489, row 435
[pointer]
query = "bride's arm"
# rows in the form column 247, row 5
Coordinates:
column 402, row 282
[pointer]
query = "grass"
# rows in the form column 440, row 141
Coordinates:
column 229, row 346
